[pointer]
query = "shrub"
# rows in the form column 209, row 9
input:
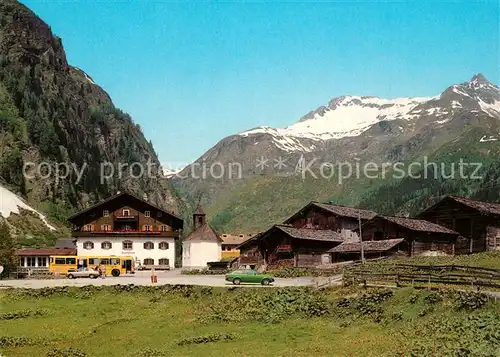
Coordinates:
column 216, row 337
column 20, row 314
column 470, row 300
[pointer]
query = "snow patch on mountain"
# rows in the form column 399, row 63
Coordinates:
column 11, row 203
column 344, row 117
column 492, row 109
column 350, row 116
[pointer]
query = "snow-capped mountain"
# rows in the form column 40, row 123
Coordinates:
column 363, row 128
column 350, row 116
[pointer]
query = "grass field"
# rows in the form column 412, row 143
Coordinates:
column 485, row 260
column 197, row 321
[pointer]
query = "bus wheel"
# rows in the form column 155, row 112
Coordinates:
column 115, row 272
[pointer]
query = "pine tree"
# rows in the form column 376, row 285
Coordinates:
column 8, row 258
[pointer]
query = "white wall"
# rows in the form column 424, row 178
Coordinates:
column 198, row 254
column 138, row 251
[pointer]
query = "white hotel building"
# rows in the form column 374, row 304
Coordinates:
column 124, row 225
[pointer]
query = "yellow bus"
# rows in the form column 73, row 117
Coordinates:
column 114, row 265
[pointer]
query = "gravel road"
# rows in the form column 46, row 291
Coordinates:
column 144, row 278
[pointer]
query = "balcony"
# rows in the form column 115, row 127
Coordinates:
column 121, row 217
column 125, row 232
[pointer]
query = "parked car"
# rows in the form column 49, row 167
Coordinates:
column 249, row 276
column 83, row 273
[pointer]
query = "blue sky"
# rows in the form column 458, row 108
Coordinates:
column 193, row 73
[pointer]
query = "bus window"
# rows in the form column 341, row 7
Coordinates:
column 61, row 261
column 70, row 261
column 105, row 261
column 115, row 261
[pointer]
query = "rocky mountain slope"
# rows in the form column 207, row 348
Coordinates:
column 346, row 131
column 54, row 113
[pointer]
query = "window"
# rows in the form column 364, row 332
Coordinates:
column 127, row 245
column 148, row 228
column 106, row 228
column 115, row 261
column 105, row 261
column 147, row 213
column 93, row 261
column 149, row 245
column 149, row 261
column 60, row 261
column 71, row 260
column 30, row 261
column 87, row 228
column 126, row 212
column 21, row 261
column 163, row 245
column 163, row 261
column 106, row 245
column 200, row 220
column 88, row 245
column 42, row 261
column 105, row 213
column 163, row 228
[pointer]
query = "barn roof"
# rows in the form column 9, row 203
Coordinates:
column 204, row 233
column 339, row 210
column 368, row 246
column 484, row 207
column 346, row 211
column 418, row 225
column 46, row 251
column 310, row 234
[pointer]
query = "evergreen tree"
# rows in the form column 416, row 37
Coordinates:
column 8, row 258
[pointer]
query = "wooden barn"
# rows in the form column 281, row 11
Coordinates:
column 340, row 219
column 421, row 236
column 477, row 222
column 371, row 249
column 287, row 246
column 304, row 239
column 250, row 253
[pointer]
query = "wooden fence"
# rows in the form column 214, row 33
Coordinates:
column 402, row 274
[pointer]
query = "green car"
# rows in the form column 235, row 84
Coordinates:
column 249, row 276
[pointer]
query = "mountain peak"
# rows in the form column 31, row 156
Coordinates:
column 479, row 78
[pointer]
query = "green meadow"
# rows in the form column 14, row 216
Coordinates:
column 202, row 321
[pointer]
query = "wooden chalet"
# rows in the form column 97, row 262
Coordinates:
column 341, row 219
column 371, row 249
column 420, row 235
column 477, row 222
column 287, row 246
column 304, row 239
column 123, row 214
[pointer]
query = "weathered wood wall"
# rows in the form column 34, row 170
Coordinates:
column 470, row 223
